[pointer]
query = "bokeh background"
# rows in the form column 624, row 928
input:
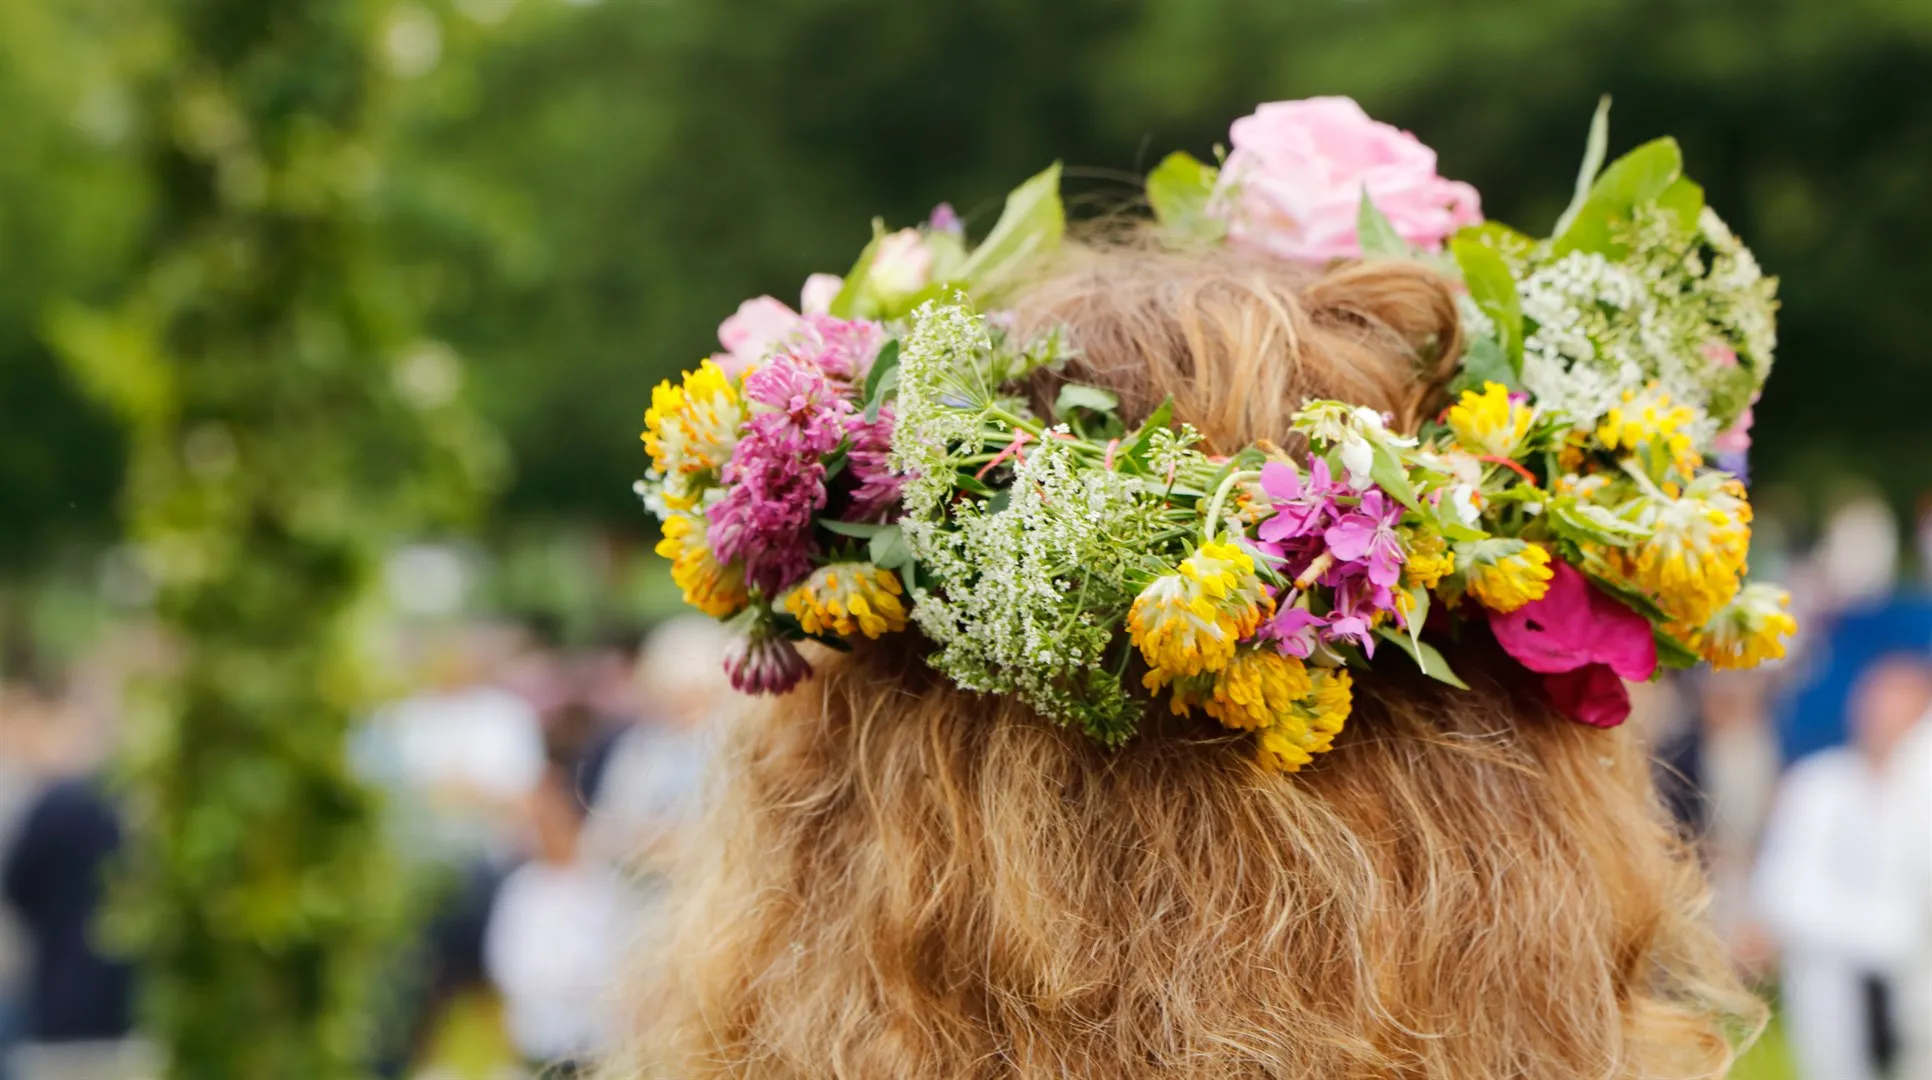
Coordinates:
column 553, row 203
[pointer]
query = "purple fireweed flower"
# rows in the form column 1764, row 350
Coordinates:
column 1302, row 508
column 1357, row 602
column 1367, row 535
column 1294, row 630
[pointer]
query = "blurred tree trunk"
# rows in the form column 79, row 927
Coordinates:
column 285, row 428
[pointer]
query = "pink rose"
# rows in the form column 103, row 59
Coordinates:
column 1584, row 643
column 750, row 335
column 1294, row 181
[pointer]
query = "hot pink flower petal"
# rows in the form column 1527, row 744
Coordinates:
column 1575, row 624
column 1592, row 694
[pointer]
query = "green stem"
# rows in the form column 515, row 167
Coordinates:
column 1221, row 495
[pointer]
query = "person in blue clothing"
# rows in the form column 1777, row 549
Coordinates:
column 52, row 878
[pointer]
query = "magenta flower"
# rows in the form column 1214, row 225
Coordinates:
column 1301, row 508
column 842, row 348
column 1358, row 601
column 1367, row 535
column 1584, row 642
column 775, row 481
column 876, row 496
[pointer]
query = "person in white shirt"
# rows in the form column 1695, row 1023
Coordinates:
column 1828, row 882
column 1909, row 854
column 556, row 935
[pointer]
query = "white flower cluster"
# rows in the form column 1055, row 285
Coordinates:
column 937, row 414
column 1009, row 593
column 1597, row 328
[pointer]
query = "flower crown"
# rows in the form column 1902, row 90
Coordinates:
column 871, row 464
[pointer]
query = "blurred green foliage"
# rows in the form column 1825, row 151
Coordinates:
column 584, row 190
column 285, row 426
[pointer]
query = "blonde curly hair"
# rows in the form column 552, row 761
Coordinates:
column 898, row 878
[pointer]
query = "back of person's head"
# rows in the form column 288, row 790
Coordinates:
column 899, row 878
column 1888, row 700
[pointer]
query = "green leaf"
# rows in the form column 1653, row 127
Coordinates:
column 858, row 530
column 1673, row 653
column 1373, row 232
column 1179, row 189
column 1426, row 657
column 889, row 549
column 1135, row 456
column 1493, row 288
column 852, row 301
column 1076, row 396
column 883, row 379
column 1029, row 228
column 1683, row 200
column 1635, row 179
column 1507, row 241
column 1586, row 523
column 1389, row 474
column 1634, row 600
column 1594, row 148
column 1483, row 360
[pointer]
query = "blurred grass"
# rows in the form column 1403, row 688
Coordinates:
column 469, row 1043
column 1769, row 1058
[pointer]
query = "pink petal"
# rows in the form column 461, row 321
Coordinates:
column 1280, row 481
column 760, row 323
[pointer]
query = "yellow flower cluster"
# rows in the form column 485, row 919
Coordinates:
column 1694, row 559
column 691, row 429
column 1648, row 419
column 1489, row 422
column 1505, row 584
column 1428, row 560
column 1296, row 736
column 1748, row 631
column 1187, row 622
column 848, row 599
column 713, row 588
column 1256, row 686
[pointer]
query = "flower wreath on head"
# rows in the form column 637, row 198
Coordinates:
column 869, row 464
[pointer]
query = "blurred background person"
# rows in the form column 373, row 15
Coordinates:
column 1828, row 885
column 650, row 773
column 555, row 935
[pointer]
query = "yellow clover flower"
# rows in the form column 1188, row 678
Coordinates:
column 711, row 587
column 691, row 429
column 1428, row 561
column 1489, row 422
column 848, row 599
column 1748, row 631
column 1650, row 419
column 1694, row 559
column 1256, row 686
column 1507, row 582
column 1309, row 728
column 1187, row 622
